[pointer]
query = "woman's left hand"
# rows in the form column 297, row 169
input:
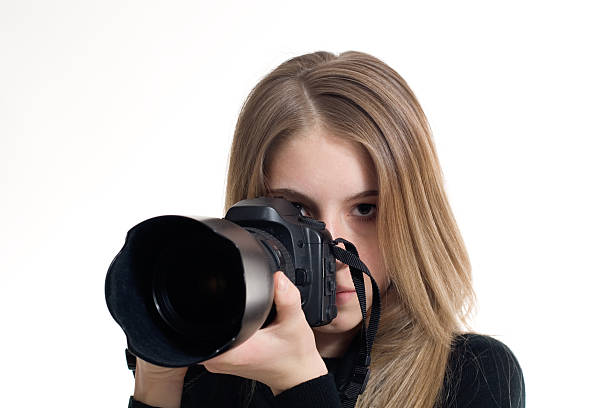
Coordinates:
column 282, row 355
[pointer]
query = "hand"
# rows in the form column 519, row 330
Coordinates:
column 282, row 355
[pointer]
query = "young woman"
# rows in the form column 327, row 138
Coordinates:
column 344, row 138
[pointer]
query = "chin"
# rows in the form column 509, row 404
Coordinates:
column 344, row 322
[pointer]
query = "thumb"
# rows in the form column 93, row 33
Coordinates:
column 286, row 296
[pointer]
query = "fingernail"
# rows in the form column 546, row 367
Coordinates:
column 282, row 282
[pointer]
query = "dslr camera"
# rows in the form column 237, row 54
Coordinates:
column 185, row 289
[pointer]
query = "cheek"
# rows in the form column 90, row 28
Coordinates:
column 370, row 255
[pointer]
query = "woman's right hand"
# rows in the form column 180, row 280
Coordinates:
column 158, row 386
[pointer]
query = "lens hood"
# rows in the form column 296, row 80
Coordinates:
column 185, row 289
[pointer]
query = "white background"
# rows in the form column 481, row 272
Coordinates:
column 112, row 112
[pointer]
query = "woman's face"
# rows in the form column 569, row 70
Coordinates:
column 334, row 181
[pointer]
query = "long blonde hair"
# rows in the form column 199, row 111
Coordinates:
column 358, row 97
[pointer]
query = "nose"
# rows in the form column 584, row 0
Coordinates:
column 332, row 227
column 336, row 232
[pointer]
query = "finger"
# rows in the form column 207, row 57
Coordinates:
column 286, row 297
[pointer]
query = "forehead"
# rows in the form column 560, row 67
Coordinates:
column 322, row 165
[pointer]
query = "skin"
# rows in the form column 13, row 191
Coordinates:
column 326, row 171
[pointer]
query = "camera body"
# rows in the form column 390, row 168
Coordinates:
column 304, row 254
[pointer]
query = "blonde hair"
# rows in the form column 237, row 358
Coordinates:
column 358, row 97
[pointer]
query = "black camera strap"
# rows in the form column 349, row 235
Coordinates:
column 358, row 380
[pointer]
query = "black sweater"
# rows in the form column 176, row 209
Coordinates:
column 481, row 372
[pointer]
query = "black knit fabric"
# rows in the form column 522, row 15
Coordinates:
column 481, row 372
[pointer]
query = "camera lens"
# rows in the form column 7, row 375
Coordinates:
column 185, row 289
column 198, row 287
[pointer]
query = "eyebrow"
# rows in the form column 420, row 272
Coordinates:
column 304, row 198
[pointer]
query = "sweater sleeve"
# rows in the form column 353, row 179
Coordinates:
column 228, row 391
column 484, row 373
column 319, row 392
column 202, row 388
column 137, row 404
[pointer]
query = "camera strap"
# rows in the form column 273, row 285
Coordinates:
column 350, row 391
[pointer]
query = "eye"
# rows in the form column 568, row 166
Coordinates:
column 365, row 211
column 300, row 207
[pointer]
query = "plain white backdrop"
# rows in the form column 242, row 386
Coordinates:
column 112, row 112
